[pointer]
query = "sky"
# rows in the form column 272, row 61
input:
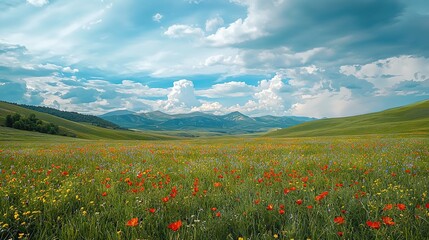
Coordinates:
column 325, row 58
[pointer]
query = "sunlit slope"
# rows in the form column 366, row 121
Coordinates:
column 80, row 130
column 410, row 119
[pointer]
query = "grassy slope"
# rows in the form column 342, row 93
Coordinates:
column 410, row 119
column 81, row 130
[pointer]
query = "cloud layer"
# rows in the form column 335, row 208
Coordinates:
column 323, row 58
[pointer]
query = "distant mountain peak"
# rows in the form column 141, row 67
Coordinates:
column 237, row 116
column 118, row 113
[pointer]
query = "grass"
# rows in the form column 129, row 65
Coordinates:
column 411, row 119
column 80, row 130
column 218, row 188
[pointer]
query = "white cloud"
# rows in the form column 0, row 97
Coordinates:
column 180, row 30
column 141, row 90
column 268, row 61
column 70, row 70
column 261, row 18
column 194, row 1
column 224, row 60
column 268, row 99
column 386, row 73
column 236, row 32
column 327, row 103
column 181, row 98
column 229, row 89
column 49, row 66
column 210, row 107
column 38, row 3
column 157, row 17
column 213, row 23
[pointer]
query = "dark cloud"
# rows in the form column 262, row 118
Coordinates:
column 81, row 95
column 12, row 91
column 356, row 31
column 413, row 87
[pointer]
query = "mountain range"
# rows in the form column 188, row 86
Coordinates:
column 231, row 123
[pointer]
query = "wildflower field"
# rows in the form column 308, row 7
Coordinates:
column 304, row 188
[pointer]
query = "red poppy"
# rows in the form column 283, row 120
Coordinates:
column 152, row 210
column 214, row 209
column 217, row 184
column 388, row 221
column 104, row 194
column 375, row 225
column 270, row 207
column 427, row 205
column 281, row 211
column 173, row 192
column 299, row 201
column 310, row 207
column 388, row 207
column 340, row 234
column 218, row 214
column 165, row 199
column 175, row 225
column 339, row 220
column 133, row 222
column 401, row 206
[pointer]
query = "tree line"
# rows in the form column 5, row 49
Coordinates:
column 31, row 123
column 73, row 116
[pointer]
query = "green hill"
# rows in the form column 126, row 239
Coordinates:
column 72, row 116
column 410, row 119
column 80, row 130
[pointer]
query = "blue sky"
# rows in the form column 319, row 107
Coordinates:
column 325, row 58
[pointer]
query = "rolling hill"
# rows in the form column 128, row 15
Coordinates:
column 79, row 130
column 410, row 119
column 232, row 123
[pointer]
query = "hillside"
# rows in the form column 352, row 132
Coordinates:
column 72, row 116
column 232, row 123
column 80, row 130
column 410, row 119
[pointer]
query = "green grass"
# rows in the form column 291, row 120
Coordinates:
column 81, row 130
column 90, row 189
column 412, row 119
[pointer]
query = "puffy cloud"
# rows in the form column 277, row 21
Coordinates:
column 210, row 107
column 260, row 20
column 229, row 89
column 237, row 32
column 137, row 89
column 38, row 3
column 327, row 103
column 180, row 30
column 157, row 17
column 386, row 73
column 70, row 70
column 181, row 98
column 213, row 23
column 270, row 98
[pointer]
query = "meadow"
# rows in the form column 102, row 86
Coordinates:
column 372, row 187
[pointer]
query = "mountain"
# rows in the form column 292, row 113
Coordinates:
column 68, row 128
column 410, row 119
column 118, row 113
column 231, row 123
